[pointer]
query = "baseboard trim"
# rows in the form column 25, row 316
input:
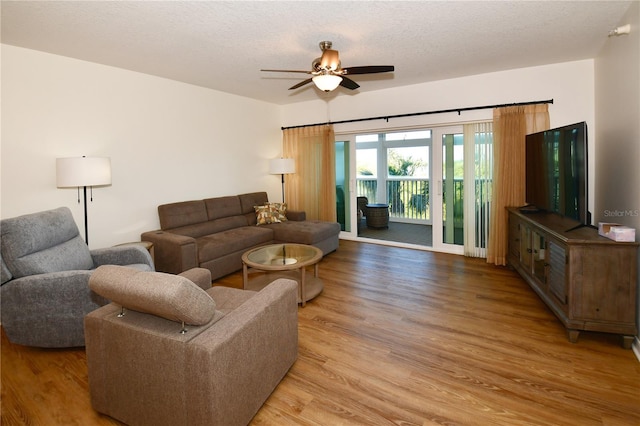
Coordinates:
column 636, row 347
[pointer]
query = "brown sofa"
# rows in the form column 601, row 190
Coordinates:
column 166, row 352
column 214, row 233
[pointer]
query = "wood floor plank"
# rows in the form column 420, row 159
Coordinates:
column 398, row 337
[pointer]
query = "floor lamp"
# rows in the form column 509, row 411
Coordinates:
column 282, row 166
column 76, row 172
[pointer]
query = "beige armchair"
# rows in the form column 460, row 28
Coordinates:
column 167, row 352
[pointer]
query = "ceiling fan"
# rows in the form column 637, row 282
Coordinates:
column 328, row 73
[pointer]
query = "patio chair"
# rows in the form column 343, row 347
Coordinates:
column 362, row 205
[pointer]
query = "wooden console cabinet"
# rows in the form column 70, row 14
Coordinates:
column 588, row 281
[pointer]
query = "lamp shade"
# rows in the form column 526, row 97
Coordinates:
column 83, row 171
column 282, row 166
column 327, row 82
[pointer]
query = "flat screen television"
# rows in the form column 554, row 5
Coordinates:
column 556, row 172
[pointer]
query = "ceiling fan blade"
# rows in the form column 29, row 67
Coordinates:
column 348, row 83
column 302, row 83
column 369, row 69
column 304, row 72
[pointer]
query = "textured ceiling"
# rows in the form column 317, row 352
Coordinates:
column 224, row 44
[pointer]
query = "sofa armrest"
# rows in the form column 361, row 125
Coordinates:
column 122, row 255
column 173, row 253
column 252, row 347
column 297, row 216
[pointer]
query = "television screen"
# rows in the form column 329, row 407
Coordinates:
column 556, row 171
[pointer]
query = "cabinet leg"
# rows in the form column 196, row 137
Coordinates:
column 627, row 341
column 572, row 335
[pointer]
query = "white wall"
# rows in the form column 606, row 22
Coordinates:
column 168, row 141
column 617, row 72
column 570, row 85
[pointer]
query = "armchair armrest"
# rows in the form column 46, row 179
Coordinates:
column 296, row 215
column 37, row 310
column 121, row 255
column 174, row 253
column 200, row 276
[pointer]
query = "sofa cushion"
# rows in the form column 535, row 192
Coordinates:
column 172, row 297
column 176, row 215
column 43, row 242
column 306, row 232
column 211, row 227
column 222, row 243
column 247, row 201
column 223, row 207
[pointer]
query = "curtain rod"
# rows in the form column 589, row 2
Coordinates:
column 442, row 111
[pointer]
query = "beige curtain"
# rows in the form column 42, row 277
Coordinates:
column 312, row 188
column 510, row 126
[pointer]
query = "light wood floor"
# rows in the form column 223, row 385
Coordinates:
column 400, row 337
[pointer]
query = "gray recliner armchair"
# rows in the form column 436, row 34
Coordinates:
column 46, row 267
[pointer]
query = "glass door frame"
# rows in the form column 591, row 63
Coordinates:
column 436, row 184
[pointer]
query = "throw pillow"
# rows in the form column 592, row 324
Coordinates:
column 281, row 211
column 266, row 214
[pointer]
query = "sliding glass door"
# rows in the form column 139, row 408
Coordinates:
column 419, row 175
column 448, row 223
column 393, row 169
column 343, row 188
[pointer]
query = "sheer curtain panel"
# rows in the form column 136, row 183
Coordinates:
column 312, row 187
column 478, row 175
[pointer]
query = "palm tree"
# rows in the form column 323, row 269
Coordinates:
column 399, row 166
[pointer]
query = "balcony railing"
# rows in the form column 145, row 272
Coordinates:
column 408, row 199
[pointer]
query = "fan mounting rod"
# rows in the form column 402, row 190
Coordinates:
column 324, row 45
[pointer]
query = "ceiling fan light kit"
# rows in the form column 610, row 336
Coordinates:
column 328, row 73
column 327, row 82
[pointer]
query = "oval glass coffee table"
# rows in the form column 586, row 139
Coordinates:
column 274, row 261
